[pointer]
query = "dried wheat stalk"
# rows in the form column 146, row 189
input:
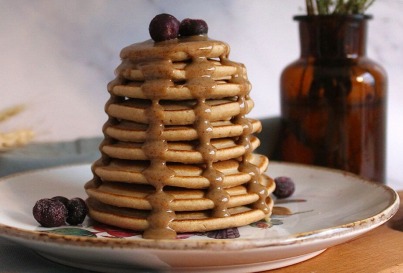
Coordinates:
column 15, row 138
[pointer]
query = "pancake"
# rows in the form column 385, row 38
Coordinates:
column 134, row 90
column 135, row 196
column 186, row 175
column 184, row 222
column 136, row 132
column 184, row 152
column 173, row 51
column 129, row 70
column 181, row 92
column 179, row 113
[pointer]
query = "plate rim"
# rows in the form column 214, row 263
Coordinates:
column 357, row 227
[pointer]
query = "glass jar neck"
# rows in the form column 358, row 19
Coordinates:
column 333, row 36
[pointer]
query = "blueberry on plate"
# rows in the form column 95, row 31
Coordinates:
column 50, row 213
column 62, row 199
column 77, row 210
column 285, row 187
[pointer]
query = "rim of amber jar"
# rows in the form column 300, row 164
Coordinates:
column 328, row 16
column 333, row 36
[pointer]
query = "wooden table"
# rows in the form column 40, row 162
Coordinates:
column 380, row 250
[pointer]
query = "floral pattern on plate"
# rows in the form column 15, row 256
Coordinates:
column 99, row 230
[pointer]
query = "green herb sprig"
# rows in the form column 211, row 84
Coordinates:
column 326, row 7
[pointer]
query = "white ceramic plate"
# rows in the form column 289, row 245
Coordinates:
column 328, row 208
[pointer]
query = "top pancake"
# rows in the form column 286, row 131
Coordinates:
column 187, row 48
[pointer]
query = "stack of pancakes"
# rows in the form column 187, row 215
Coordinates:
column 177, row 155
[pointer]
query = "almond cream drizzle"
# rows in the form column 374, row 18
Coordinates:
column 157, row 74
column 246, row 166
column 201, row 85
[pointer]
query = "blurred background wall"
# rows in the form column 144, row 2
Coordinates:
column 58, row 56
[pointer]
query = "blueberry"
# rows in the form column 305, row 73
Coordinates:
column 190, row 27
column 50, row 213
column 77, row 210
column 164, row 27
column 62, row 199
column 285, row 187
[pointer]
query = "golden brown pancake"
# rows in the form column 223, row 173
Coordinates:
column 221, row 72
column 135, row 196
column 136, row 132
column 183, row 152
column 186, row 175
column 178, row 113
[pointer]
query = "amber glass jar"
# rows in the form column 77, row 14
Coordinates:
column 333, row 99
